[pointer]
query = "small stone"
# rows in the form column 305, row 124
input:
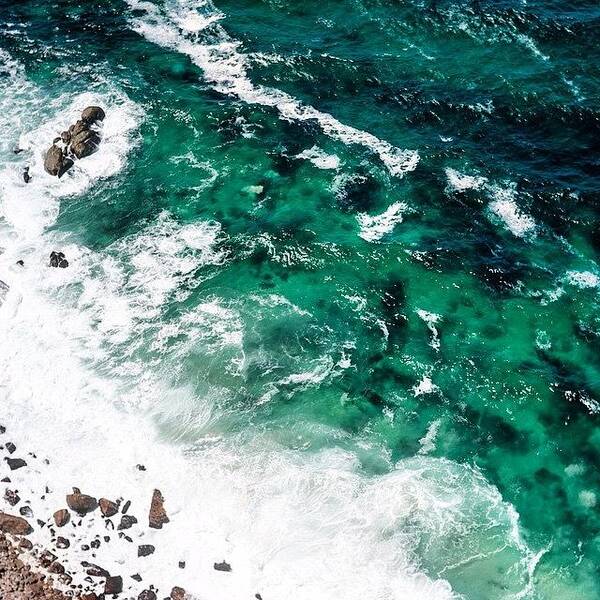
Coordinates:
column 26, row 175
column 126, row 507
column 25, row 544
column 146, row 550
column 10, row 447
column 21, row 263
column 127, row 521
column 222, row 566
column 56, row 568
column 177, row 593
column 26, row 511
column 182, row 564
column 94, row 570
column 57, row 259
column 147, row 595
column 5, row 480
column 62, row 543
column 62, row 517
column 12, row 497
column 113, row 585
column 137, row 577
column 157, row 516
column 95, row 544
column 47, row 558
column 15, row 463
column 65, row 579
column 81, row 503
column 108, row 508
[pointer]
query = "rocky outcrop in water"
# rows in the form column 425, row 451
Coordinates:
column 158, row 515
column 81, row 140
column 14, row 525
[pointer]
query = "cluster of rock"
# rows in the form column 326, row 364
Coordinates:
column 20, row 581
column 81, row 140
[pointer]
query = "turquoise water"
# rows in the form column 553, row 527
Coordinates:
column 357, row 237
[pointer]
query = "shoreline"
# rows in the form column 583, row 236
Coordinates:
column 31, row 570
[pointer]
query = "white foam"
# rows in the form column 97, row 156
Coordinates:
column 425, row 386
column 504, row 207
column 320, row 159
column 431, row 319
column 583, row 279
column 460, row 182
column 373, row 228
column 192, row 28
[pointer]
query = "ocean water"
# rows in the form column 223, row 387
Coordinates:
column 333, row 279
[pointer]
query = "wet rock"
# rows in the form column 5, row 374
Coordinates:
column 140, row 467
column 108, row 508
column 21, row 263
column 81, row 503
column 47, row 558
column 56, row 568
column 25, row 511
column 62, row 517
column 137, row 577
column 18, row 150
column 94, row 570
column 158, row 515
column 15, row 463
column 62, row 543
column 26, row 175
column 223, row 566
column 10, row 447
column 65, row 137
column 55, row 161
column 182, row 564
column 77, row 128
column 126, row 506
column 5, row 480
column 113, row 585
column 12, row 497
column 14, row 525
column 92, row 114
column 147, row 595
column 127, row 521
column 2, row 429
column 25, row 544
column 57, row 259
column 146, row 550
column 84, row 143
column 95, row 544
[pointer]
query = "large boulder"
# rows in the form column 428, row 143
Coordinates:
column 84, row 143
column 77, row 128
column 14, row 525
column 91, row 114
column 158, row 515
column 55, row 161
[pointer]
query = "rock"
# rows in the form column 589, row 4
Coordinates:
column 177, row 593
column 157, row 516
column 146, row 550
column 56, row 568
column 81, row 503
column 95, row 544
column 140, row 467
column 14, row 525
column 62, row 517
column 10, row 447
column 65, row 136
column 137, row 577
column 62, row 543
column 55, row 161
column 127, row 521
column 77, row 128
column 113, row 585
column 26, row 175
column 182, row 564
column 126, row 506
column 147, row 595
column 5, row 480
column 18, row 150
column 258, row 597
column 25, row 511
column 25, row 544
column 84, row 143
column 12, row 497
column 223, row 566
column 21, row 263
column 108, row 508
column 15, row 463
column 47, row 558
column 91, row 114
column 94, row 570
column 57, row 259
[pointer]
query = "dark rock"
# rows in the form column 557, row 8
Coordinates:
column 65, row 579
column 5, row 480
column 65, row 136
column 15, row 463
column 107, row 538
column 94, row 570
column 84, row 143
column 157, row 516
column 62, row 517
column 95, row 544
column 258, row 596
column 126, row 506
column 26, row 175
column 77, row 128
column 14, row 525
column 223, row 566
column 146, row 550
column 57, row 259
column 18, row 150
column 10, row 447
column 182, row 564
column 108, row 508
column 81, row 503
column 12, row 497
column 140, row 467
column 127, row 521
column 56, row 568
column 62, row 543
column 147, row 595
column 25, row 544
column 47, row 558
column 21, row 263
column 26, row 511
column 55, row 161
column 113, row 585
column 91, row 114
column 137, row 577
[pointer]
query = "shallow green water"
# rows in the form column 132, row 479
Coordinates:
column 462, row 323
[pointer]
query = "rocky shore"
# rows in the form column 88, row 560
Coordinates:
column 31, row 570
